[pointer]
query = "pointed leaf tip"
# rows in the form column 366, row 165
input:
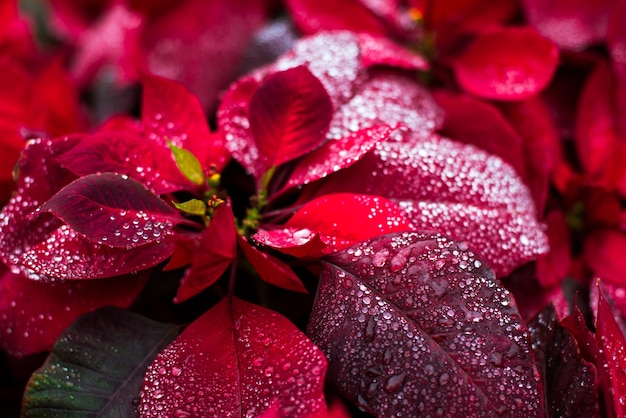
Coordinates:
column 289, row 115
column 238, row 359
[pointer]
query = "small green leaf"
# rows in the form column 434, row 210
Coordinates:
column 188, row 164
column 192, row 207
column 96, row 368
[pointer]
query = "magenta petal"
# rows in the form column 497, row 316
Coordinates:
column 33, row 314
column 238, row 359
column 297, row 242
column 381, row 51
column 571, row 24
column 171, row 113
column 289, row 115
column 507, row 64
column 216, row 251
column 337, row 154
column 313, row 16
column 200, row 43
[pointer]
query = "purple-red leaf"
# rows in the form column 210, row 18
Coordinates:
column 337, row 154
column 216, row 251
column 238, row 359
column 415, row 325
column 119, row 152
column 454, row 189
column 289, row 115
column 333, row 222
column 381, row 51
column 613, row 345
column 34, row 314
column 270, row 269
column 570, row 382
column 507, row 64
column 114, row 210
column 171, row 113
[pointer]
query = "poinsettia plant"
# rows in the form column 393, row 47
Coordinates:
column 395, row 208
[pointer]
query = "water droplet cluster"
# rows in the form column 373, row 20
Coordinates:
column 455, row 189
column 415, row 325
column 236, row 360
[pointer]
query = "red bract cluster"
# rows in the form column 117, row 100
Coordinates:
column 313, row 208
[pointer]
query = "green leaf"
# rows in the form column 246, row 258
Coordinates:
column 96, row 368
column 188, row 164
column 192, row 207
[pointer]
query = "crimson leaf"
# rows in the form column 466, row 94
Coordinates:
column 216, row 251
column 414, row 324
column 289, row 115
column 571, row 383
column 507, row 64
column 238, row 359
column 113, row 209
column 33, row 314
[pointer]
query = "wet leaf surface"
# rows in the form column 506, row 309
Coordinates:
column 96, row 367
column 415, row 324
column 238, row 359
column 114, row 210
column 33, row 314
column 570, row 382
column 452, row 188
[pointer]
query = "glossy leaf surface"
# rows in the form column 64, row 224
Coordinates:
column 113, row 210
column 333, row 222
column 33, row 314
column 571, row 383
column 270, row 269
column 238, row 359
column 415, row 324
column 97, row 366
column 289, row 115
column 452, row 188
column 216, row 250
column 507, row 64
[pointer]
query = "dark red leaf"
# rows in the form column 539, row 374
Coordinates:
column 507, row 64
column 455, row 189
column 570, row 382
column 216, row 251
column 613, row 345
column 129, row 154
column 337, row 154
column 571, row 24
column 479, row 123
column 114, row 210
column 616, row 42
column 333, row 222
column 313, row 16
column 171, row 113
column 238, row 359
column 33, row 314
column 289, row 115
column 414, row 324
column 270, row 269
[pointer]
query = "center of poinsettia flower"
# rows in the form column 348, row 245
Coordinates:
column 575, row 217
